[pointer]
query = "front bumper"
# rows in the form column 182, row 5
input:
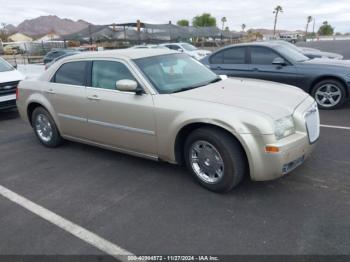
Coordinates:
column 293, row 150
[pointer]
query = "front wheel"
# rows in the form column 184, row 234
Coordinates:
column 45, row 128
column 216, row 160
column 329, row 94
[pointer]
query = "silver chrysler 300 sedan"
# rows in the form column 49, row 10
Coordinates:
column 164, row 105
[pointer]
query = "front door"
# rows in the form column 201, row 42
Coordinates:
column 119, row 119
column 262, row 67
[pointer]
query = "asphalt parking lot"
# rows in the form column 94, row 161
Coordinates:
column 154, row 208
column 339, row 46
column 147, row 207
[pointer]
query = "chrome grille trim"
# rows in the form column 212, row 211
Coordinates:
column 312, row 123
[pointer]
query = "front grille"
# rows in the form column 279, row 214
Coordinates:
column 312, row 121
column 8, row 88
column 8, row 104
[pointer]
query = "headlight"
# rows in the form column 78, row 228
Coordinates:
column 284, row 127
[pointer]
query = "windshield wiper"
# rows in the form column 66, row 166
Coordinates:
column 217, row 79
column 186, row 89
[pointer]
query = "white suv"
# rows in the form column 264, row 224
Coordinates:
column 188, row 49
column 9, row 79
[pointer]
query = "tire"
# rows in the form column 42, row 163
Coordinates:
column 205, row 149
column 45, row 128
column 329, row 94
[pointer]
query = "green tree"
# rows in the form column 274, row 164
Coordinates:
column 204, row 20
column 243, row 26
column 278, row 9
column 325, row 29
column 183, row 22
column 223, row 21
column 308, row 21
column 3, row 32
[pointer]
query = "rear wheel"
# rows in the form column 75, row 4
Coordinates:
column 216, row 160
column 329, row 94
column 45, row 128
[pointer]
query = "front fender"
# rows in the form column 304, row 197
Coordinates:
column 167, row 135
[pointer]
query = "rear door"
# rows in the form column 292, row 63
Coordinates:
column 261, row 66
column 230, row 61
column 66, row 94
column 119, row 119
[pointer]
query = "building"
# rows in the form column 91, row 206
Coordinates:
column 19, row 37
column 51, row 36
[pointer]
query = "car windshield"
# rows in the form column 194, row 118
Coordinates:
column 291, row 54
column 175, row 72
column 5, row 66
column 189, row 47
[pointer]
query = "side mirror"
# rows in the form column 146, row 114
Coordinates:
column 180, row 50
column 279, row 61
column 127, row 85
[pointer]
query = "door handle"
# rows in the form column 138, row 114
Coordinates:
column 255, row 69
column 94, row 97
column 50, row 91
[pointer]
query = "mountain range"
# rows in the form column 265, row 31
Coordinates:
column 47, row 24
column 63, row 26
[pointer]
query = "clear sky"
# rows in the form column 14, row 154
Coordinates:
column 253, row 13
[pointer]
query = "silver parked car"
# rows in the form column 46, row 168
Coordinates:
column 165, row 105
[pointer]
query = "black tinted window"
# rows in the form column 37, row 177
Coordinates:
column 262, row 55
column 105, row 74
column 217, row 58
column 72, row 73
column 173, row 47
column 234, row 55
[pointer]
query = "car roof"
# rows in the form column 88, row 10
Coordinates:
column 124, row 53
column 263, row 43
column 174, row 43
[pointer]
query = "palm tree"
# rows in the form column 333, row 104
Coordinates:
column 243, row 26
column 278, row 9
column 223, row 21
column 308, row 21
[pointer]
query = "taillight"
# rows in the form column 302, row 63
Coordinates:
column 17, row 93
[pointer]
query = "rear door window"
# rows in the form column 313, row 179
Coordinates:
column 71, row 73
column 235, row 55
column 217, row 58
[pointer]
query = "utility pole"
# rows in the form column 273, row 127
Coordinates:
column 90, row 34
column 313, row 30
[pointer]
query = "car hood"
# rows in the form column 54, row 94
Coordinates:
column 273, row 99
column 323, row 54
column 326, row 61
column 10, row 76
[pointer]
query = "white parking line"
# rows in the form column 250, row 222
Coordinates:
column 74, row 229
column 336, row 127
